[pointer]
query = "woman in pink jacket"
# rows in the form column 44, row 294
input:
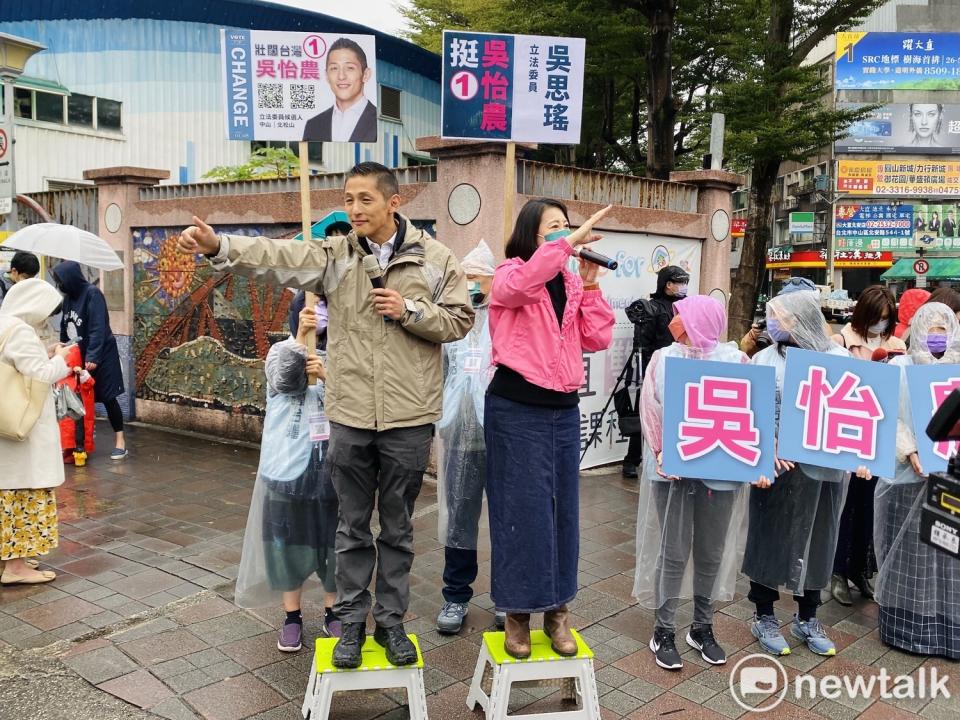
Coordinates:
column 542, row 318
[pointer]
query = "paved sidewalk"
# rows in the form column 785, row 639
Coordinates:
column 141, row 613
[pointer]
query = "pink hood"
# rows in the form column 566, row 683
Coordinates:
column 704, row 320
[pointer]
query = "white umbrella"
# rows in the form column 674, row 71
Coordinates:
column 67, row 243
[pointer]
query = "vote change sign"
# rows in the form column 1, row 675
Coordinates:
column 317, row 87
column 839, row 412
column 718, row 420
column 519, row 88
column 929, row 386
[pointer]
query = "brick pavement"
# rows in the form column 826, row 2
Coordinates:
column 150, row 547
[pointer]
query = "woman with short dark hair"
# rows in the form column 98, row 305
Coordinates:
column 542, row 318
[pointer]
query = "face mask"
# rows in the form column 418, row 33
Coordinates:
column 776, row 333
column 937, row 343
column 676, row 328
column 879, row 328
column 555, row 235
column 681, row 291
column 322, row 316
column 473, row 287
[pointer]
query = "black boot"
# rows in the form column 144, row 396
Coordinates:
column 863, row 584
column 629, row 470
column 400, row 651
column 348, row 652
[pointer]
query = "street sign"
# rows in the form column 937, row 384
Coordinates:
column 921, row 267
column 801, row 223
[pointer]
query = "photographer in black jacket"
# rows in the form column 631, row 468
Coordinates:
column 651, row 318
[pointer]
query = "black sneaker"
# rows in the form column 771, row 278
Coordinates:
column 400, row 651
column 702, row 639
column 629, row 470
column 348, row 653
column 665, row 649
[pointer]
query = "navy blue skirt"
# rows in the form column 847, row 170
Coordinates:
column 533, row 466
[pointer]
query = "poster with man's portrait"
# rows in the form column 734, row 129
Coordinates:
column 318, row 87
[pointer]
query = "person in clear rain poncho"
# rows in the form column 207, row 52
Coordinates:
column 292, row 521
column 461, row 454
column 793, row 525
column 917, row 586
column 678, row 516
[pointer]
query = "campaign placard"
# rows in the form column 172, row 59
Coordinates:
column 839, row 412
column 929, row 386
column 319, row 87
column 521, row 88
column 718, row 420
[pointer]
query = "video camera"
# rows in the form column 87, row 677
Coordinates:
column 940, row 514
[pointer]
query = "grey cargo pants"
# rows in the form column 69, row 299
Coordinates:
column 382, row 469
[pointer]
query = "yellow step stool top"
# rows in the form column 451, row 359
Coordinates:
column 374, row 656
column 540, row 650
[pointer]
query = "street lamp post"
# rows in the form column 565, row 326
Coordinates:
column 14, row 53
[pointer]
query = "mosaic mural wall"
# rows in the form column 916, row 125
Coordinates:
column 200, row 337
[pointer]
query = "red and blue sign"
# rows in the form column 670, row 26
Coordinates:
column 521, row 88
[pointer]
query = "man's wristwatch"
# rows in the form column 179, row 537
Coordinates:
column 410, row 306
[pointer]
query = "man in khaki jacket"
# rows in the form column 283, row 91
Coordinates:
column 384, row 387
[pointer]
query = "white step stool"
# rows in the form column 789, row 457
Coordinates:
column 543, row 664
column 375, row 673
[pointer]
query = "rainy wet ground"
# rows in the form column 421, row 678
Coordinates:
column 140, row 621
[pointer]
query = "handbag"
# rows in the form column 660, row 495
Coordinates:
column 628, row 411
column 23, row 399
column 67, row 403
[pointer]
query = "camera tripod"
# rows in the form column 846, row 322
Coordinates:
column 627, row 369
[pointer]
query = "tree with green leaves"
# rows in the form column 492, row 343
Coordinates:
column 778, row 109
column 266, row 163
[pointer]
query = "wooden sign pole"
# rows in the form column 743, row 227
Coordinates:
column 307, row 235
column 509, row 189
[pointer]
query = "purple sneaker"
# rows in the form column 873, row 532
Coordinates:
column 332, row 626
column 291, row 637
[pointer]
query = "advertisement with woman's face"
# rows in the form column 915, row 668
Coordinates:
column 926, row 128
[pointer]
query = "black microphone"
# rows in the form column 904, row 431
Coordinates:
column 597, row 259
column 371, row 266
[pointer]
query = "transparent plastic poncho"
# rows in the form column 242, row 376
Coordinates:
column 793, row 526
column 917, row 586
column 292, row 522
column 690, row 532
column 461, row 454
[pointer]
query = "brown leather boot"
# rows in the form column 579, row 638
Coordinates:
column 516, row 639
column 556, row 626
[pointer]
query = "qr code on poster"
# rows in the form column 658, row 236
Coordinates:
column 270, row 96
column 302, row 97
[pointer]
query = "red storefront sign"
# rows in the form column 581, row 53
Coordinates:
column 842, row 259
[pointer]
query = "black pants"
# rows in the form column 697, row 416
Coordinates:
column 634, row 451
column 856, row 529
column 384, row 470
column 114, row 414
column 764, row 597
column 459, row 571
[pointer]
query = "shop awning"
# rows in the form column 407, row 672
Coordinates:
column 940, row 269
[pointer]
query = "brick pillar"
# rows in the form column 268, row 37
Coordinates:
column 469, row 174
column 118, row 191
column 714, row 199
